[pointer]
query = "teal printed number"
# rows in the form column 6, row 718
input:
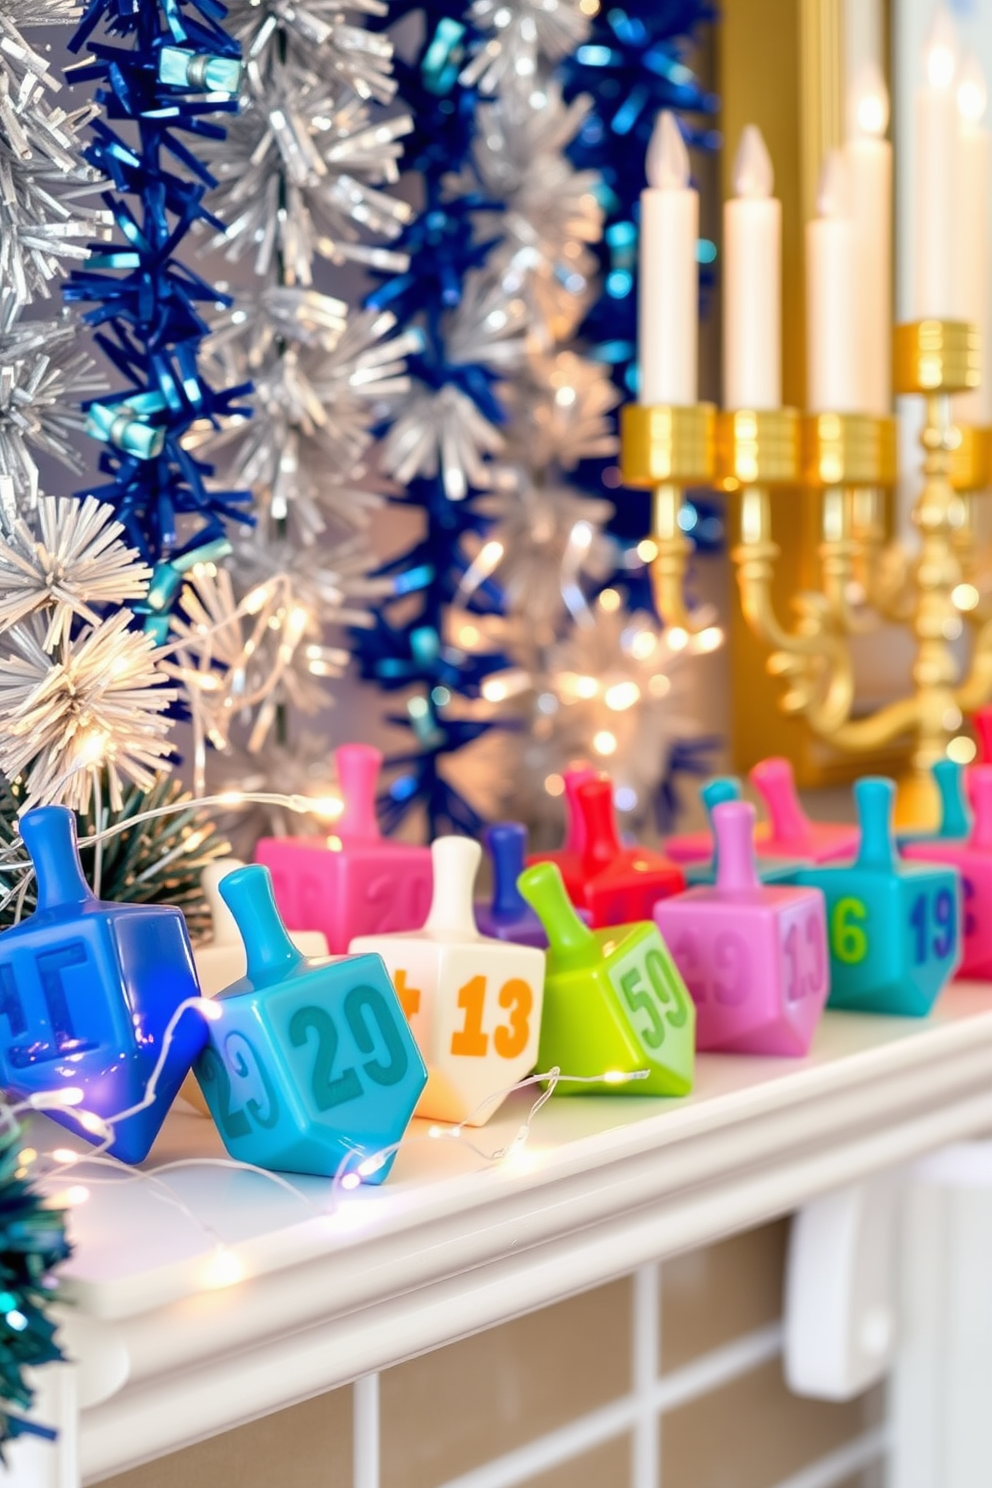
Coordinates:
column 361, row 1005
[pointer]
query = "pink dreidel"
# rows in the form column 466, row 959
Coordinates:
column 973, row 856
column 790, row 833
column 356, row 883
column 753, row 956
column 569, row 856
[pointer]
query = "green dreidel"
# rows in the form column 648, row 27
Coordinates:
column 894, row 928
column 614, row 1002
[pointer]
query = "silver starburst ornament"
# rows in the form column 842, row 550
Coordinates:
column 518, row 35
column 560, row 411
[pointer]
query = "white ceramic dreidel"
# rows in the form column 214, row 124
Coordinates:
column 474, row 1004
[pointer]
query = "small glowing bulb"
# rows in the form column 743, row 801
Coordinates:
column 65, row 1157
column 678, row 638
column 70, row 1096
column 869, row 103
column 494, row 690
column 26, row 1157
column 231, row 798
column 327, row 808
column 622, row 696
column 962, row 750
column 964, row 596
column 615, row 1077
column 647, row 550
column 609, row 601
column 224, row 1269
column 212, row 1011
column 92, row 1123
column 586, row 687
column 605, row 742
column 351, row 1181
column 644, row 645
column 76, row 1195
column 710, row 639
column 554, row 785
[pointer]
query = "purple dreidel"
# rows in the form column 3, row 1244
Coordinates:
column 509, row 916
column 753, row 956
column 355, row 883
column 790, row 833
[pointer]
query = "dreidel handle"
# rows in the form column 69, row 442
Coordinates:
column 270, row 953
column 733, row 829
column 455, row 861
column 603, row 845
column 507, row 844
column 980, row 794
column 718, row 791
column 572, row 942
column 774, row 779
column 49, row 834
column 575, row 827
column 225, row 926
column 358, row 767
column 954, row 818
column 875, row 797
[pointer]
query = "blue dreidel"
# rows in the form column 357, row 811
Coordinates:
column 894, row 928
column 309, row 1062
column 955, row 817
column 509, row 916
column 718, row 792
column 88, row 990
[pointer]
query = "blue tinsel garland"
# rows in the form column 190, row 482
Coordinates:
column 177, row 68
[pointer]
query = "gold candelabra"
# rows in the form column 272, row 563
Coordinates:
column 850, row 459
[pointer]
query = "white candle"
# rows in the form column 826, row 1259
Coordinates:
column 971, row 229
column 869, row 174
column 752, row 281
column 936, row 149
column 832, row 381
column 668, row 288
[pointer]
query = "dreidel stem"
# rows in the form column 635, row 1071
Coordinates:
column 954, row 818
column 358, row 767
column 507, row 844
column 602, row 842
column 733, row 828
column 874, row 797
column 572, row 943
column 776, row 783
column 49, row 834
column 980, row 792
column 455, row 861
column 270, row 953
column 575, row 829
column 714, row 793
column 225, row 926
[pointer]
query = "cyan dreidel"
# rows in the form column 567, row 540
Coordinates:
column 622, row 884
column 972, row 856
column 955, row 818
column 753, row 956
column 568, row 857
column 789, row 832
column 894, row 927
column 474, row 1003
column 715, row 793
column 614, row 1004
column 87, row 992
column 309, row 1063
column 221, row 960
column 697, row 847
column 508, row 916
column 353, row 882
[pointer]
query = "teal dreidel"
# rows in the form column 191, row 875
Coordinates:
column 894, row 928
column 308, row 1063
column 718, row 792
column 955, row 817
column 614, row 1002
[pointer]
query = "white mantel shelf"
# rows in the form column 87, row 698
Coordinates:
column 451, row 1244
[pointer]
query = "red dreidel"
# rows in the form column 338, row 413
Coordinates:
column 355, row 883
column 622, row 884
column 569, row 857
column 973, row 857
column 753, row 956
column 789, row 832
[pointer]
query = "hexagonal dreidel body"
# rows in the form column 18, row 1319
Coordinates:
column 309, row 1064
column 568, row 857
column 789, row 833
column 355, row 883
column 973, row 859
column 615, row 1003
column 508, row 916
column 474, row 1003
column 770, row 870
column 88, row 990
column 894, row 928
column 697, row 847
column 622, row 884
column 955, row 818
column 754, row 957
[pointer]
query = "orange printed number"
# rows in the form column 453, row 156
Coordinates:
column 510, row 1039
column 409, row 996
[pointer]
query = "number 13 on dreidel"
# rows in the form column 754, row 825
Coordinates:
column 474, row 1004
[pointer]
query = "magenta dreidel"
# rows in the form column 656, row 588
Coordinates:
column 973, row 856
column 355, row 883
column 474, row 1004
column 790, row 833
column 753, row 956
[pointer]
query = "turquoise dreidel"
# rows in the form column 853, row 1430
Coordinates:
column 972, row 856
column 894, row 927
column 508, row 916
column 955, row 818
column 753, row 956
column 308, row 1064
column 697, row 847
column 719, row 792
column 614, row 1002
column 87, row 992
